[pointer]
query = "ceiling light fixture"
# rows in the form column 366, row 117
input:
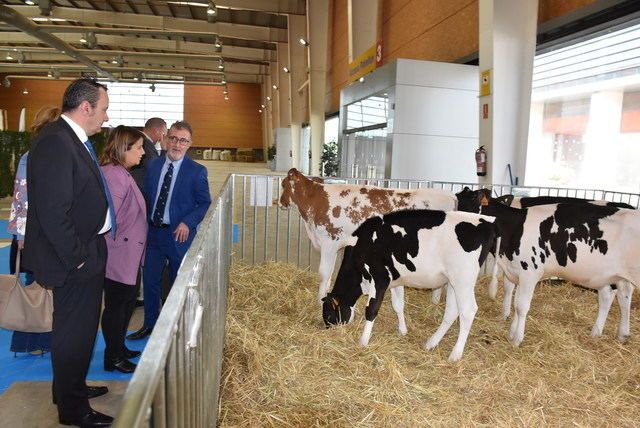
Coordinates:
column 6, row 82
column 361, row 80
column 25, row 91
column 43, row 19
column 261, row 105
column 50, row 73
column 218, row 44
column 153, row 87
column 268, row 98
column 260, row 110
column 275, row 87
column 303, row 42
column 212, row 12
column 9, row 57
column 29, row 2
column 223, row 81
column 226, row 97
column 221, row 64
column 285, row 69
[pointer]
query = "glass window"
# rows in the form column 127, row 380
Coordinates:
column 132, row 104
column 584, row 128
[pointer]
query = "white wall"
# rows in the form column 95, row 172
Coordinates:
column 435, row 127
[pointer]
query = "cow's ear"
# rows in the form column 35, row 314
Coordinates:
column 291, row 172
column 466, row 189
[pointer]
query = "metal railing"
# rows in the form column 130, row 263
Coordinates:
column 177, row 381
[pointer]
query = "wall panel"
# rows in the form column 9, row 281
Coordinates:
column 232, row 123
column 42, row 93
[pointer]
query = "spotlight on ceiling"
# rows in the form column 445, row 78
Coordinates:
column 361, row 80
column 260, row 110
column 50, row 73
column 212, row 12
column 6, row 82
column 139, row 77
column 303, row 41
column 25, row 91
column 285, row 69
column 226, row 97
column 9, row 56
column 153, row 87
column 29, row 2
column 261, row 105
column 89, row 39
column 221, row 64
column 226, row 91
column 20, row 55
column 56, row 74
column 224, row 80
column 218, row 44
column 275, row 87
column 268, row 98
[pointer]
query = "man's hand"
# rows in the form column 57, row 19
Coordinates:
column 20, row 244
column 181, row 233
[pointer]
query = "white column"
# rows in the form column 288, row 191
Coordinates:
column 599, row 168
column 317, row 29
column 507, row 47
column 297, row 75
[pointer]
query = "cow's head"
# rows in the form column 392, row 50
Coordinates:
column 334, row 312
column 292, row 184
column 472, row 200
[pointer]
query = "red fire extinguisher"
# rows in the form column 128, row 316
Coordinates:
column 481, row 161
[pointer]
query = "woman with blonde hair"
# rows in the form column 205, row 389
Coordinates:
column 23, row 341
column 124, row 251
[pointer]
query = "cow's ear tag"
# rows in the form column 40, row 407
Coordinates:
column 484, row 201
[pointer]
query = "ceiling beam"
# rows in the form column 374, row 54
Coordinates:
column 285, row 7
column 13, row 18
column 223, row 29
column 119, row 42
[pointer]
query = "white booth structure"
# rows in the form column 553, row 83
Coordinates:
column 411, row 120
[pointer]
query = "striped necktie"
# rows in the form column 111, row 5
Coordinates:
column 112, row 211
column 161, row 203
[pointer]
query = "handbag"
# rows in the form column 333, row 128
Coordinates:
column 24, row 308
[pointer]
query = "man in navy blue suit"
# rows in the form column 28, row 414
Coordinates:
column 177, row 193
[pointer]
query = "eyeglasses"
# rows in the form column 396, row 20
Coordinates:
column 182, row 141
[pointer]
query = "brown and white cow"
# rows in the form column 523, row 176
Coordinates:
column 332, row 212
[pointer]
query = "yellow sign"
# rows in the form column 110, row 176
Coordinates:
column 485, row 83
column 363, row 64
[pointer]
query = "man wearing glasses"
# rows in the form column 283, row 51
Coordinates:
column 177, row 193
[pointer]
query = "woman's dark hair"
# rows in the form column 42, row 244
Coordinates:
column 80, row 90
column 120, row 140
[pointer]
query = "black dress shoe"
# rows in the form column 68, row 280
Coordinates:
column 140, row 334
column 130, row 353
column 121, row 364
column 139, row 303
column 92, row 392
column 91, row 419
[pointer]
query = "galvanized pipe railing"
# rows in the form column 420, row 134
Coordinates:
column 176, row 383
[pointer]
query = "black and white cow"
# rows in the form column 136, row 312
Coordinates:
column 420, row 249
column 590, row 245
column 605, row 296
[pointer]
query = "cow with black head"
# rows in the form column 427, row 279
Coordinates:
column 588, row 244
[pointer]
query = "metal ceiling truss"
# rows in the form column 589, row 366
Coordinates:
column 151, row 39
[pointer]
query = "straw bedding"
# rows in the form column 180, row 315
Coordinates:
column 283, row 368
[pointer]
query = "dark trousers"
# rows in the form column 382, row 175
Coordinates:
column 160, row 249
column 119, row 303
column 75, row 325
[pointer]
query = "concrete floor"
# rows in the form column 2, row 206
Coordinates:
column 28, row 404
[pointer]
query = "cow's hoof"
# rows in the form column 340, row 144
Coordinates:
column 596, row 332
column 402, row 331
column 455, row 356
column 431, row 344
column 623, row 338
column 504, row 317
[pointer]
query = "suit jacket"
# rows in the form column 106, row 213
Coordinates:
column 126, row 250
column 139, row 171
column 67, row 205
column 190, row 198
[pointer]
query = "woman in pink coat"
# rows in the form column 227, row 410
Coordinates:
column 124, row 256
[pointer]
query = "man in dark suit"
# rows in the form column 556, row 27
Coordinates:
column 154, row 131
column 177, row 199
column 69, row 211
